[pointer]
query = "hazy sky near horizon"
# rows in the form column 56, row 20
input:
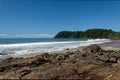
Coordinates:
column 44, row 18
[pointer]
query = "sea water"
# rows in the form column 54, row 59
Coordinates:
column 20, row 46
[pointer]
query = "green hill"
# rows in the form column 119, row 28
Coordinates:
column 90, row 33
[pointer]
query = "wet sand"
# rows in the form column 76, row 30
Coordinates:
column 114, row 45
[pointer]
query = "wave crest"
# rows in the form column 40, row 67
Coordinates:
column 25, row 48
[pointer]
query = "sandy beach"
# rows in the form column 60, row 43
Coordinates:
column 114, row 45
column 60, row 39
column 92, row 63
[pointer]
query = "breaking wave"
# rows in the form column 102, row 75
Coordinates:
column 25, row 48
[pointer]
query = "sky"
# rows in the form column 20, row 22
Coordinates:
column 45, row 18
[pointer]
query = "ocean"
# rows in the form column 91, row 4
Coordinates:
column 20, row 46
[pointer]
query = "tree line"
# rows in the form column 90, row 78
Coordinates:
column 90, row 33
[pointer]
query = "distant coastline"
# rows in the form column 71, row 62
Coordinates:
column 89, row 34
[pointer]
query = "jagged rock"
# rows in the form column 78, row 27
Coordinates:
column 46, row 56
column 102, row 58
column 113, row 59
column 118, row 61
column 59, row 56
column 91, row 64
column 92, row 49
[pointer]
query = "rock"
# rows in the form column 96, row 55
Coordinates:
column 10, row 58
column 113, row 60
column 45, row 56
column 118, row 61
column 91, row 64
column 114, row 76
column 102, row 58
column 72, row 54
column 92, row 49
column 67, row 48
column 117, row 55
column 57, row 57
column 84, row 55
column 88, row 78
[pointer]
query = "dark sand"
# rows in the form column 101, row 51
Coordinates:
column 114, row 45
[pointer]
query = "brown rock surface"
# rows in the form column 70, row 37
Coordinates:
column 94, row 48
column 92, row 63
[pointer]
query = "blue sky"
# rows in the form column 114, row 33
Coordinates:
column 44, row 18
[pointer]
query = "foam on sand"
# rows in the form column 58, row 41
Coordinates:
column 47, row 46
column 27, row 48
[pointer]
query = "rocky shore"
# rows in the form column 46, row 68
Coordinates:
column 92, row 63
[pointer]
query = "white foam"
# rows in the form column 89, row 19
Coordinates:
column 26, row 48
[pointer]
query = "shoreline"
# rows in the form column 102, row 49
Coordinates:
column 114, row 45
column 92, row 63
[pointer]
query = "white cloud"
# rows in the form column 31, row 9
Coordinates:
column 20, row 35
column 27, row 36
column 3, row 35
column 42, row 35
column 33, row 36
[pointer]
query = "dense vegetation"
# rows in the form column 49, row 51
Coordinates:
column 90, row 33
column 115, row 35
